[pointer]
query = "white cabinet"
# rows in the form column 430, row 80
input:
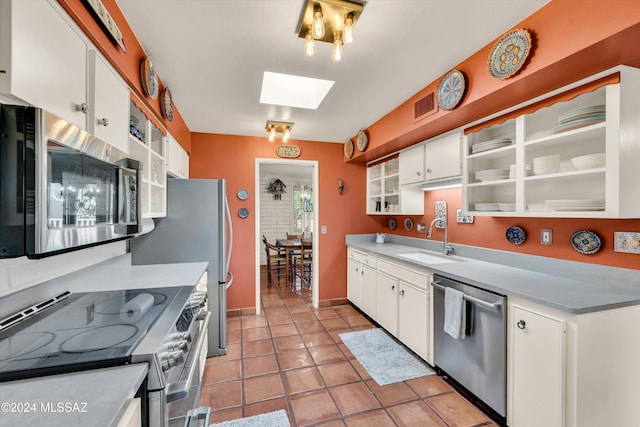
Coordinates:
column 443, row 157
column 412, row 166
column 177, row 159
column 538, row 368
column 150, row 150
column 132, row 416
column 44, row 61
column 596, row 116
column 107, row 117
column 361, row 281
column 385, row 195
column 413, row 319
column 387, row 306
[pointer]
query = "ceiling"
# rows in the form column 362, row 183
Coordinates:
column 212, row 55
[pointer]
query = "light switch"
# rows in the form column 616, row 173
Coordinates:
column 546, row 236
column 323, row 229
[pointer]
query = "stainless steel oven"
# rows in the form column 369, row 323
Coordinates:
column 61, row 188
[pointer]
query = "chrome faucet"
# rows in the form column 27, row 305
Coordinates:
column 447, row 249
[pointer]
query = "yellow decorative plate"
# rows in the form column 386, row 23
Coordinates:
column 288, row 151
column 167, row 104
column 509, row 54
column 348, row 149
column 362, row 140
column 149, row 77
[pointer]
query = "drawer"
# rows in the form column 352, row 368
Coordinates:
column 369, row 260
column 355, row 254
column 419, row 278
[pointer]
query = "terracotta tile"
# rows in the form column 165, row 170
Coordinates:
column 294, row 359
column 254, row 322
column 338, row 373
column 259, row 365
column 354, row 398
column 292, row 342
column 336, row 323
column 456, row 411
column 316, row 339
column 234, row 352
column 345, row 350
column 234, row 324
column 279, row 319
column 415, row 414
column 299, row 380
column 336, row 423
column 365, row 327
column 326, row 354
column 262, row 388
column 283, row 330
column 266, row 406
column 225, row 415
column 305, row 316
column 257, row 348
column 223, row 371
column 255, row 334
column 376, row 418
column 295, row 309
column 293, row 301
column 222, row 395
column 346, row 311
column 360, row 369
column 273, row 303
column 358, row 320
column 335, row 334
column 326, row 313
column 430, row 385
column 392, row 394
column 313, row 407
column 234, row 337
column 310, row 327
column 274, row 310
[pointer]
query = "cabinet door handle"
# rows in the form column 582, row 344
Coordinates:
column 522, row 324
column 104, row 122
column 82, row 107
column 393, row 287
column 362, row 272
column 429, row 171
column 418, row 173
column 401, row 292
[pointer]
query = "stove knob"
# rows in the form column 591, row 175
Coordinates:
column 177, row 357
column 165, row 361
column 181, row 345
column 185, row 336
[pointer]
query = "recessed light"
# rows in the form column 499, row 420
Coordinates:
column 293, row 91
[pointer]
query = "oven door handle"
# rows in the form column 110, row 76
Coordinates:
column 194, row 415
column 180, row 390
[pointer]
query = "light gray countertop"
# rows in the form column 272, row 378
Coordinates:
column 88, row 398
column 579, row 293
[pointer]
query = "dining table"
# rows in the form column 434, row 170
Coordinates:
column 291, row 246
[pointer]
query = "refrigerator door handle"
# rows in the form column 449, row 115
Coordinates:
column 228, row 260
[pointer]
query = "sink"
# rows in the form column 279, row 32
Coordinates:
column 427, row 258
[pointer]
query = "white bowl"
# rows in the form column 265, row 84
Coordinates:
column 589, row 161
column 543, row 170
column 554, row 158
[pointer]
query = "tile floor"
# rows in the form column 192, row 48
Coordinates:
column 290, row 357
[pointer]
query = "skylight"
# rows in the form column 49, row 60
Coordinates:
column 293, row 91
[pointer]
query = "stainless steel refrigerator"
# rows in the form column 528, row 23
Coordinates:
column 197, row 228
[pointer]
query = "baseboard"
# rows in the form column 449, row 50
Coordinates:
column 332, row 302
column 241, row 312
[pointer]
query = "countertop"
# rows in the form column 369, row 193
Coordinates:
column 88, row 398
column 566, row 294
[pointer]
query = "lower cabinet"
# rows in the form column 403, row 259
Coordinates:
column 386, row 305
column 354, row 282
column 361, row 281
column 132, row 416
column 413, row 319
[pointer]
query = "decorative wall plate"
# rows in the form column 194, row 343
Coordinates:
column 586, row 242
column 288, row 151
column 408, row 224
column 509, row 54
column 451, row 90
column 362, row 140
column 166, row 106
column 243, row 194
column 393, row 224
column 243, row 213
column 516, row 235
column 348, row 149
column 149, row 77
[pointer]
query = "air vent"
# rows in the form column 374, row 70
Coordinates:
column 424, row 106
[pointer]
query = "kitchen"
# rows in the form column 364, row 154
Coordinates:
column 588, row 47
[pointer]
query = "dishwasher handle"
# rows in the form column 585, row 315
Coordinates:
column 489, row 305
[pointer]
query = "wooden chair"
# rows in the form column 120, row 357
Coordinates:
column 276, row 262
column 303, row 266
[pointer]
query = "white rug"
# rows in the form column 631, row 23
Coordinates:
column 270, row 419
column 385, row 359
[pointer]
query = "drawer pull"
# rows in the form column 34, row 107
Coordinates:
column 401, row 292
column 522, row 324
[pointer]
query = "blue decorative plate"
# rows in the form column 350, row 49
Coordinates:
column 243, row 213
column 393, row 224
column 586, row 242
column 516, row 235
column 243, row 194
column 408, row 224
column 166, row 106
column 450, row 90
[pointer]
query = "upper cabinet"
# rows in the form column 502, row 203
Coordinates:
column 177, row 159
column 412, row 166
column 443, row 157
column 571, row 153
column 47, row 62
column 386, row 196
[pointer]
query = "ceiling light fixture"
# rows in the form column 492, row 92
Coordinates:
column 329, row 21
column 283, row 128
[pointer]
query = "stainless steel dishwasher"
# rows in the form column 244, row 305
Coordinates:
column 477, row 361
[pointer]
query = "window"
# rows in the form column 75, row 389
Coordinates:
column 302, row 209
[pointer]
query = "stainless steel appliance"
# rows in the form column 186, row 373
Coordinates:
column 195, row 230
column 164, row 327
column 61, row 189
column 477, row 361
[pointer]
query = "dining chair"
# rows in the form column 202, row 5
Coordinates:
column 276, row 262
column 303, row 266
column 293, row 236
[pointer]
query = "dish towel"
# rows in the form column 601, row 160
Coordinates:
column 454, row 313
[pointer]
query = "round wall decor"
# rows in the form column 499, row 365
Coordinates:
column 516, row 235
column 586, row 242
column 243, row 213
column 509, row 54
column 408, row 224
column 166, row 106
column 149, row 77
column 348, row 149
column 451, row 90
column 362, row 140
column 243, row 194
column 393, row 224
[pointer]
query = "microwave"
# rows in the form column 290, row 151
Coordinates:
column 61, row 189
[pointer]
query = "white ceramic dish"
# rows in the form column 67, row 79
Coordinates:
column 589, row 161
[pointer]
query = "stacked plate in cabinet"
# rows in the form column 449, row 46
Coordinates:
column 575, row 205
column 580, row 117
column 546, row 164
column 492, row 174
column 486, row 207
column 479, row 147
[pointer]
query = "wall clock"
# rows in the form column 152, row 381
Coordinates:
column 362, row 140
column 451, row 90
column 348, row 149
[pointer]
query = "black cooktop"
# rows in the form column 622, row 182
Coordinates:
column 84, row 331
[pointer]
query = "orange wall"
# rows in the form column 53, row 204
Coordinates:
column 233, row 158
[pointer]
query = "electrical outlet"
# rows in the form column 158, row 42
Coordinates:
column 323, row 229
column 421, row 228
column 546, row 236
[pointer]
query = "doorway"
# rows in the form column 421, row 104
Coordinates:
column 302, row 176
